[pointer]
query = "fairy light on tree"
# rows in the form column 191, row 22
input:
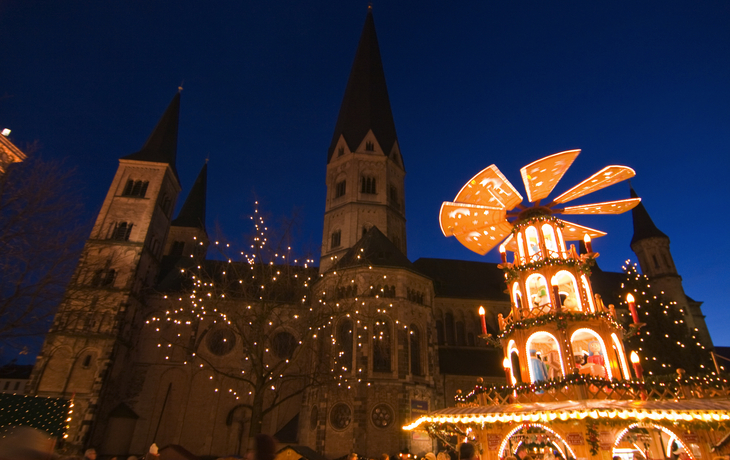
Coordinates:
column 664, row 342
column 247, row 320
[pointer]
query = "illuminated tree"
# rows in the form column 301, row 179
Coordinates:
column 664, row 343
column 250, row 322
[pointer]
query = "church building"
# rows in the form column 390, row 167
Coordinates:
column 417, row 345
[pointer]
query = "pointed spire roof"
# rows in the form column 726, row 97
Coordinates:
column 192, row 213
column 643, row 225
column 365, row 105
column 374, row 249
column 161, row 146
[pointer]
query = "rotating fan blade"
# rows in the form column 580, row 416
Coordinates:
column 607, row 207
column 481, row 240
column 489, row 188
column 461, row 217
column 607, row 176
column 541, row 176
column 572, row 232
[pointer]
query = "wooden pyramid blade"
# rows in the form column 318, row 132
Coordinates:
column 607, row 176
column 607, row 207
column 572, row 232
column 489, row 188
column 540, row 177
column 463, row 217
column 484, row 239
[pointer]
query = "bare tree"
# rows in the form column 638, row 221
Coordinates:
column 40, row 241
column 251, row 323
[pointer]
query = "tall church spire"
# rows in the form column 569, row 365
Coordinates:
column 365, row 105
column 644, row 227
column 192, row 213
column 365, row 174
column 161, row 146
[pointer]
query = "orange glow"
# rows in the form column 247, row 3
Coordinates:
column 506, row 363
column 481, row 311
column 634, row 358
column 629, row 298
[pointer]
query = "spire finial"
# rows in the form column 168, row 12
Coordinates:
column 370, row 6
column 180, row 88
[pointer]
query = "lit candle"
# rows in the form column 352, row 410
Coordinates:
column 484, row 320
column 507, row 369
column 632, row 308
column 637, row 366
column 587, row 241
column 503, row 253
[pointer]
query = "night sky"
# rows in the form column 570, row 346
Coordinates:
column 643, row 84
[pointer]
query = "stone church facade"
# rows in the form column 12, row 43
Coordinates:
column 129, row 393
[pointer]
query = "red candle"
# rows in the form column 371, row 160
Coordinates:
column 587, row 241
column 632, row 308
column 638, row 370
column 484, row 320
column 507, row 364
column 503, row 253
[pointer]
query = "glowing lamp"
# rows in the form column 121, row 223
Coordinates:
column 632, row 308
column 482, row 314
column 6, row 132
column 506, row 363
column 503, row 253
column 587, row 241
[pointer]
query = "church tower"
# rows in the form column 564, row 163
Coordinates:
column 87, row 350
column 651, row 246
column 365, row 172
column 187, row 237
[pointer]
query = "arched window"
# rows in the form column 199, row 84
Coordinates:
column 619, row 349
column 589, row 293
column 537, row 291
column 544, row 357
column 344, row 345
column 381, row 345
column 415, row 342
column 590, row 353
column 533, row 244
column 514, row 358
column 517, row 296
column 449, row 329
column 440, row 332
column 367, row 185
column 568, row 289
column 336, row 239
column 460, row 334
column 340, row 188
column 122, row 231
column 550, row 243
column 561, row 243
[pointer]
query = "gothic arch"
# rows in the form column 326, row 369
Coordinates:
column 582, row 340
column 56, row 370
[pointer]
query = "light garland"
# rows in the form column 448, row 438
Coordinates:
column 596, row 414
column 52, row 415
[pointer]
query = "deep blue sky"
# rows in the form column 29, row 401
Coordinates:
column 645, row 84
